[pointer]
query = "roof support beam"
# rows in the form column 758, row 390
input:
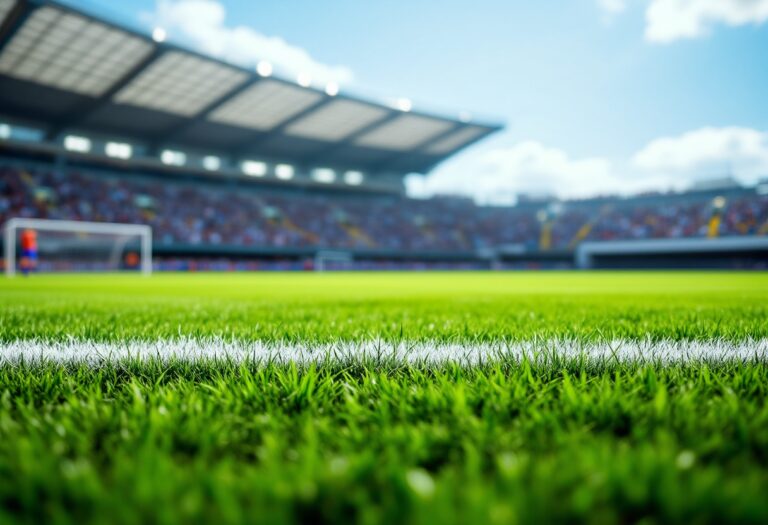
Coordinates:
column 322, row 156
column 177, row 131
column 84, row 111
column 14, row 20
column 263, row 136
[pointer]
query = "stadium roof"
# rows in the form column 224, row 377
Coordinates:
column 64, row 69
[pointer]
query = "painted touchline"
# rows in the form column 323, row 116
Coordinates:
column 203, row 349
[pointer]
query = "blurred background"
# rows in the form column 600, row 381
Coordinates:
column 400, row 135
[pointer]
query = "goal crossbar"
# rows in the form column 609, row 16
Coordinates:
column 142, row 231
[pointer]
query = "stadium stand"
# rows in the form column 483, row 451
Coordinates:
column 217, row 218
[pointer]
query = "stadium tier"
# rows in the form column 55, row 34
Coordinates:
column 202, row 220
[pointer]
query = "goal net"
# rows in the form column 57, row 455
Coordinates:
column 41, row 245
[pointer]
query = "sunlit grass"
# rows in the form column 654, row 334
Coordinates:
column 379, row 440
column 411, row 306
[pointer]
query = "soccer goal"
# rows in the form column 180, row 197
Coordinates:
column 73, row 246
column 328, row 260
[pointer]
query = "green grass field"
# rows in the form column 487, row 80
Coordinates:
column 382, row 440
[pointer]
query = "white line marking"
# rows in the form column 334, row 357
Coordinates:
column 193, row 349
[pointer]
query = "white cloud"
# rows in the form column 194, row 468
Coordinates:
column 527, row 167
column 669, row 20
column 707, row 153
column 499, row 175
column 612, row 6
column 202, row 24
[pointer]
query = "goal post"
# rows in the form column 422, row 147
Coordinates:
column 101, row 244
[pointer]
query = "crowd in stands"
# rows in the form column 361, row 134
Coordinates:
column 218, row 214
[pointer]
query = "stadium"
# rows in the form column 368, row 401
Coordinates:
column 224, row 305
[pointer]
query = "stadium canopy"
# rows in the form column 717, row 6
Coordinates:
column 63, row 69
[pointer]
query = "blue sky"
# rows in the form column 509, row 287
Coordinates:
column 598, row 96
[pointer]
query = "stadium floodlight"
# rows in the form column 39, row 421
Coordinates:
column 331, row 89
column 324, row 175
column 264, row 68
column 284, row 171
column 159, row 35
column 118, row 150
column 254, row 168
column 304, row 80
column 403, row 104
column 404, row 133
column 5, row 131
column 336, row 120
column 353, row 178
column 78, row 144
column 76, row 246
column 211, row 162
column 173, row 158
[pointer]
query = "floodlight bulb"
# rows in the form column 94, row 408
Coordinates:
column 173, row 158
column 324, row 175
column 353, row 178
column 404, row 104
column 254, row 168
column 118, row 150
column 264, row 68
column 284, row 171
column 211, row 162
column 332, row 89
column 75, row 143
column 159, row 35
column 304, row 80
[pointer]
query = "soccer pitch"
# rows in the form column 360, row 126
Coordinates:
column 385, row 398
